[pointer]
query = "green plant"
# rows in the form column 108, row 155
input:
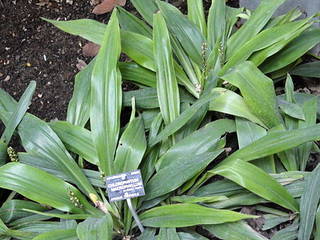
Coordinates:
column 192, row 69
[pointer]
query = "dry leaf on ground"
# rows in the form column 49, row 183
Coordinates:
column 107, row 6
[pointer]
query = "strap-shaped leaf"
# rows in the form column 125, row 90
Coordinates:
column 138, row 48
column 76, row 139
column 235, row 231
column 95, row 228
column 254, row 25
column 232, row 103
column 146, row 8
column 87, row 28
column 185, row 215
column 167, row 86
column 292, row 51
column 42, row 187
column 257, row 90
column 137, row 74
column 106, row 97
column 40, row 140
column 267, row 38
column 181, row 120
column 309, row 204
column 217, row 23
column 185, row 31
column 132, row 146
column 79, row 106
column 130, row 22
column 196, row 15
column 68, row 234
column 168, row 234
column 257, row 181
column 201, row 147
column 18, row 112
column 277, row 141
column 311, row 69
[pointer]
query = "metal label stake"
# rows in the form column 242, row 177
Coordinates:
column 125, row 186
column 135, row 215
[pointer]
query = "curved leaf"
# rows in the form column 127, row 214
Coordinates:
column 257, row 181
column 79, row 106
column 185, row 215
column 40, row 140
column 188, row 157
column 257, row 90
column 87, row 28
column 42, row 187
column 167, row 86
column 235, row 231
column 76, row 139
column 95, row 228
column 68, row 234
column 106, row 97
column 132, row 146
column 309, row 204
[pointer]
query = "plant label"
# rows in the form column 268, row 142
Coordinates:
column 125, row 186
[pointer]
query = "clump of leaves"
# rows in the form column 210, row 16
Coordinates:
column 189, row 68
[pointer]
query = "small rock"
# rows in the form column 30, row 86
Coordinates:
column 7, row 78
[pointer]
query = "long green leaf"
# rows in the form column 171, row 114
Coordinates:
column 181, row 120
column 267, row 38
column 254, row 25
column 310, row 112
column 146, row 8
column 196, row 15
column 235, row 231
column 42, row 187
column 87, row 28
column 106, row 97
column 132, row 146
column 167, row 86
column 257, row 181
column 231, row 103
column 185, row 215
column 292, row 51
column 311, row 69
column 13, row 209
column 317, row 233
column 168, row 234
column 148, row 234
column 185, row 31
column 130, row 22
column 19, row 112
column 288, row 233
column 39, row 139
column 309, row 204
column 95, row 228
column 248, row 132
column 69, row 234
column 138, row 48
column 79, row 106
column 201, row 147
column 257, row 90
column 217, row 23
column 277, row 141
column 76, row 139
column 137, row 74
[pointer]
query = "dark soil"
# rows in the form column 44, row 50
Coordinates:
column 31, row 49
